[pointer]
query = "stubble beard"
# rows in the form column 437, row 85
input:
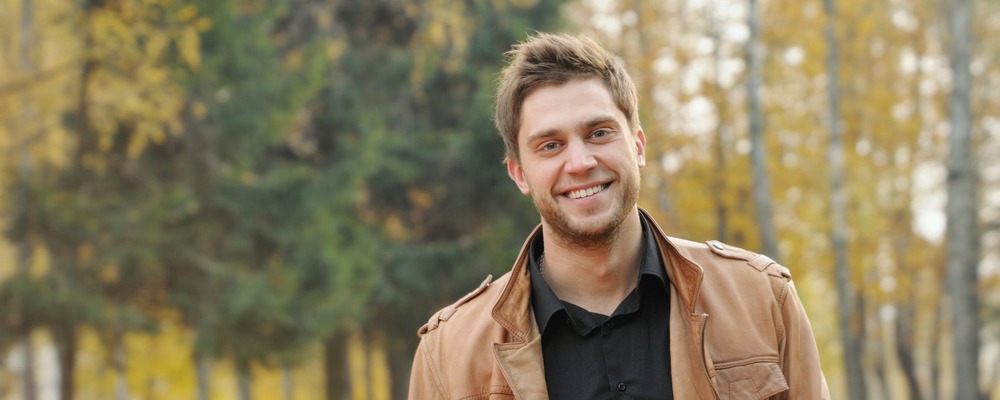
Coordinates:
column 572, row 234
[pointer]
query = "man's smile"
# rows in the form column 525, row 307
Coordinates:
column 579, row 194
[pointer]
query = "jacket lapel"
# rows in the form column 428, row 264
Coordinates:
column 523, row 366
column 691, row 369
column 687, row 371
column 520, row 357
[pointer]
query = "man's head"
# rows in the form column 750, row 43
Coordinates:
column 549, row 59
column 567, row 111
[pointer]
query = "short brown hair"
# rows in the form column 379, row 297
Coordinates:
column 553, row 59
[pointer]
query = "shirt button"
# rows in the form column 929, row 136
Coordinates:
column 622, row 387
column 611, row 325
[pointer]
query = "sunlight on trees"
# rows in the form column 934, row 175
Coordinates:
column 241, row 199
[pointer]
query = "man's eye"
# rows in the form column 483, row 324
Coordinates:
column 550, row 146
column 600, row 133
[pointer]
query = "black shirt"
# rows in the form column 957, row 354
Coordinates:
column 593, row 356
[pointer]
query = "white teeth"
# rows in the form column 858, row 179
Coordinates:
column 578, row 194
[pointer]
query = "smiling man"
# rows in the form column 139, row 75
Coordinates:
column 600, row 303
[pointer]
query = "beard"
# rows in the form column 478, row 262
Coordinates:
column 582, row 234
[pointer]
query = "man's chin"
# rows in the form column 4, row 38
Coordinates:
column 584, row 230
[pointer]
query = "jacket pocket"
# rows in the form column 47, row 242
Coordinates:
column 749, row 380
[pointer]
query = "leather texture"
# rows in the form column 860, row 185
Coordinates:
column 737, row 331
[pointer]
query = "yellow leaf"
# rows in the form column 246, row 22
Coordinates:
column 40, row 262
column 203, row 24
column 293, row 60
column 420, row 198
column 189, row 47
column 334, row 49
column 146, row 132
column 436, row 33
column 109, row 274
column 199, row 110
column 357, row 362
column 84, row 253
column 8, row 260
column 395, row 229
column 155, row 44
column 154, row 75
column 187, row 13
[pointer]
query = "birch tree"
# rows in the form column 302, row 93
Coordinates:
column 961, row 210
column 763, row 211
column 849, row 330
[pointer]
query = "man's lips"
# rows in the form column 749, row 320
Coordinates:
column 586, row 192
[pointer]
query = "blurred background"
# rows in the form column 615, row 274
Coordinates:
column 250, row 199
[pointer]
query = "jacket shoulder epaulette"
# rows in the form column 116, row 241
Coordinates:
column 759, row 262
column 445, row 313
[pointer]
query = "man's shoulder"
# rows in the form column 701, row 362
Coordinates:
column 474, row 308
column 714, row 255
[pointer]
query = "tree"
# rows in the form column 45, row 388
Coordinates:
column 763, row 207
column 962, row 210
column 850, row 327
column 437, row 151
column 73, row 208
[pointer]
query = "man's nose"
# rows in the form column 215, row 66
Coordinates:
column 581, row 158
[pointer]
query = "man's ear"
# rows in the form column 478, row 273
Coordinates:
column 517, row 175
column 640, row 148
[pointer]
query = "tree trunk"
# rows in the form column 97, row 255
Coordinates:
column 27, row 34
column 335, row 367
column 24, row 248
column 995, row 380
column 905, row 344
column 287, row 384
column 962, row 236
column 880, row 367
column 850, row 333
column 721, row 139
column 400, row 361
column 119, row 364
column 379, row 373
column 65, row 340
column 203, row 371
column 763, row 212
column 28, row 378
column 935, row 373
column 243, row 380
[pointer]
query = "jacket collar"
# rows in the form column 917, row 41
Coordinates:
column 513, row 309
column 684, row 273
column 520, row 357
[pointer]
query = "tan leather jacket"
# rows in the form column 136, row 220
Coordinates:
column 737, row 331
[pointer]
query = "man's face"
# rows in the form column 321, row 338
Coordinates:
column 578, row 160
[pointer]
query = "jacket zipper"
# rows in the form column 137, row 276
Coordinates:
column 704, row 364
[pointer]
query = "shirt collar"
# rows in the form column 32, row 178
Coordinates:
column 544, row 301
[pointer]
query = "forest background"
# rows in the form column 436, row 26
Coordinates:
column 265, row 199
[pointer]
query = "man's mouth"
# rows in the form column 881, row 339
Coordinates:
column 579, row 194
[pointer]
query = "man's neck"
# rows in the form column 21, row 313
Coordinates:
column 596, row 278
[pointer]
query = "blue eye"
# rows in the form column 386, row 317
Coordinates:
column 550, row 146
column 600, row 133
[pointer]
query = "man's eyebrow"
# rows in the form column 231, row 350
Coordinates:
column 542, row 134
column 590, row 123
column 598, row 120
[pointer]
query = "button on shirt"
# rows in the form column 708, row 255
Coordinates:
column 622, row 356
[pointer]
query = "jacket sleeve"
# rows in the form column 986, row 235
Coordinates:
column 800, row 357
column 424, row 382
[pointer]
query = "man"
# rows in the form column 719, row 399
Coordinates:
column 600, row 303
